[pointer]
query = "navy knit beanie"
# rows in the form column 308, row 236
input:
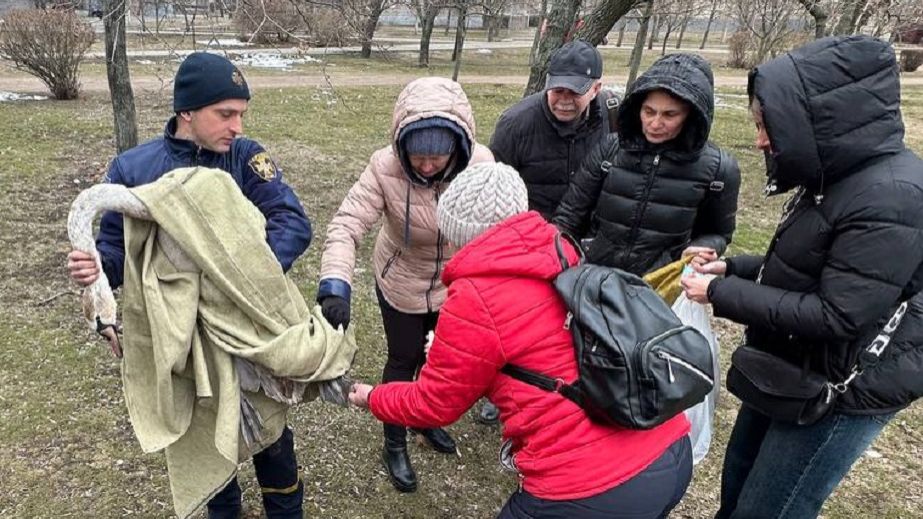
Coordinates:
column 433, row 136
column 204, row 79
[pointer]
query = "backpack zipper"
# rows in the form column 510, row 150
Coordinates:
column 672, row 358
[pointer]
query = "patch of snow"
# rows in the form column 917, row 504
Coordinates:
column 484, row 51
column 230, row 42
column 273, row 60
column 6, row 97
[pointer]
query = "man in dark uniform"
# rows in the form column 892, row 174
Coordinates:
column 210, row 97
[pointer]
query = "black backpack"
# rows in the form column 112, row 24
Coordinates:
column 638, row 365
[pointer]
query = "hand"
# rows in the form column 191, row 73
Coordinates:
column 718, row 268
column 335, row 310
column 359, row 395
column 430, row 337
column 82, row 268
column 701, row 255
column 696, row 287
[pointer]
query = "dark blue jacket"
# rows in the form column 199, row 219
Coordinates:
column 288, row 230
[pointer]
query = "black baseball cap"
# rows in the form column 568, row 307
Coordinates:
column 575, row 66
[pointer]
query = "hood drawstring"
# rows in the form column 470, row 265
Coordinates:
column 819, row 196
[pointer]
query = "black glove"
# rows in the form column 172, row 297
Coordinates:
column 335, row 310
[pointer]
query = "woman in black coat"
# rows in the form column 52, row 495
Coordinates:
column 847, row 252
column 659, row 188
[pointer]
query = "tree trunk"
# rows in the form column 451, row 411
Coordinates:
column 851, row 10
column 634, row 63
column 654, row 32
column 426, row 34
column 618, row 42
column 600, row 21
column 537, row 37
column 682, row 32
column 448, row 22
column 560, row 18
column 556, row 24
column 460, row 32
column 819, row 14
column 123, row 99
column 711, row 19
column 666, row 36
column 724, row 31
column 375, row 9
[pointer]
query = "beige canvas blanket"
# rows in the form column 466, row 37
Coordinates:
column 185, row 325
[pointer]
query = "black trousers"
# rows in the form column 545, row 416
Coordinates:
column 406, row 336
column 651, row 494
column 280, row 484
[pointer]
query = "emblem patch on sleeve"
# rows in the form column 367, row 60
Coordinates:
column 263, row 166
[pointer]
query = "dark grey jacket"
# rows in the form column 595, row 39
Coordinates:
column 544, row 151
column 851, row 247
column 643, row 203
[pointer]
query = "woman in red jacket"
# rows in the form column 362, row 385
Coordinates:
column 502, row 307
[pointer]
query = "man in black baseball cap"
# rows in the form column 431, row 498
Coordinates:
column 546, row 135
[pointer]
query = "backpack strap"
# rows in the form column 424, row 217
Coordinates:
column 717, row 183
column 559, row 248
column 611, row 102
column 552, row 385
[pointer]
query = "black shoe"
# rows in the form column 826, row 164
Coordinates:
column 397, row 464
column 438, row 439
column 489, row 414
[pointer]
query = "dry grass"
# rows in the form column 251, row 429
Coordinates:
column 66, row 448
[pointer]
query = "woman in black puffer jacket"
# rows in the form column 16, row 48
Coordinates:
column 658, row 187
column 848, row 250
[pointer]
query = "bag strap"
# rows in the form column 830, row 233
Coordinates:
column 559, row 248
column 717, row 183
column 611, row 102
column 552, row 385
column 870, row 356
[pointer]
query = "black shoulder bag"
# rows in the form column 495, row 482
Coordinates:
column 794, row 394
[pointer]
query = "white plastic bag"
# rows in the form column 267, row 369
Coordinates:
column 702, row 414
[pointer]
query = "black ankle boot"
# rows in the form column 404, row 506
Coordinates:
column 396, row 461
column 438, row 439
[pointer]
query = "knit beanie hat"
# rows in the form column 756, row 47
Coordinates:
column 428, row 137
column 480, row 197
column 203, row 79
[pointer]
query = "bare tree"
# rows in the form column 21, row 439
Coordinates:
column 426, row 10
column 634, row 62
column 461, row 31
column 47, row 44
column 493, row 9
column 556, row 24
column 820, row 15
column 769, row 24
column 374, row 8
column 557, row 27
column 711, row 19
column 123, row 99
column 603, row 17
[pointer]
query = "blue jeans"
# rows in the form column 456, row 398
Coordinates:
column 777, row 470
column 650, row 494
column 280, row 484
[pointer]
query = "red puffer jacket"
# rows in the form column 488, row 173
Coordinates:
column 502, row 307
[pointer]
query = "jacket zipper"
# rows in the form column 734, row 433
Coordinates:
column 435, row 278
column 633, row 235
column 672, row 358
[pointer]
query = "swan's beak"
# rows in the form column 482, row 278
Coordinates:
column 112, row 337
